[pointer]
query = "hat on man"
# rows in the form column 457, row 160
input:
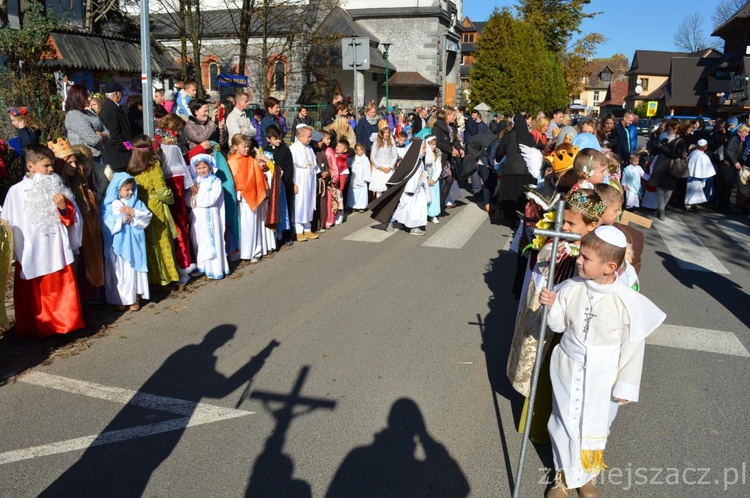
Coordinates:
column 733, row 121
column 702, row 142
column 112, row 87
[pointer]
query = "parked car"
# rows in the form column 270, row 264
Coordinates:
column 644, row 126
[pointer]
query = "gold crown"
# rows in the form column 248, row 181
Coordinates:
column 587, row 201
column 562, row 160
column 61, row 148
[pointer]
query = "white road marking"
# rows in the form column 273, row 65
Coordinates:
column 459, row 228
column 193, row 414
column 736, row 231
column 371, row 233
column 712, row 341
column 687, row 248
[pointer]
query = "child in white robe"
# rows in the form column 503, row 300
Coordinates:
column 701, row 169
column 412, row 206
column 256, row 240
column 598, row 364
column 124, row 220
column 207, row 219
column 305, row 184
column 359, row 182
column 433, row 168
column 631, row 182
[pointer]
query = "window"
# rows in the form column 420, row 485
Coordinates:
column 606, row 76
column 596, row 97
column 279, row 76
column 468, row 38
column 644, row 84
column 213, row 75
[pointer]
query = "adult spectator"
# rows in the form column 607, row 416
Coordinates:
column 302, row 118
column 555, row 123
column 469, row 125
column 730, row 165
column 497, row 124
column 202, row 129
column 622, row 146
column 237, row 120
column 447, row 141
column 539, row 130
column 329, row 113
column 609, row 132
column 366, row 130
column 674, row 146
column 481, row 125
column 270, row 118
column 134, row 104
column 80, row 126
column 633, row 132
column 115, row 153
column 160, row 97
column 419, row 122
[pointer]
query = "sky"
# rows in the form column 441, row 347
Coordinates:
column 628, row 25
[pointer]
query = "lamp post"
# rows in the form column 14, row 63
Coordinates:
column 386, row 46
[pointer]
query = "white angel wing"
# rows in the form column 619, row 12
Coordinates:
column 533, row 158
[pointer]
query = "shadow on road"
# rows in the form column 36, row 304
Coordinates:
column 274, row 470
column 392, row 466
column 497, row 334
column 124, row 468
column 727, row 293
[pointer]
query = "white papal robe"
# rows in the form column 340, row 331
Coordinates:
column 305, row 171
column 596, row 361
column 700, row 169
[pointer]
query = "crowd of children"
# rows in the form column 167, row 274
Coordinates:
column 597, row 320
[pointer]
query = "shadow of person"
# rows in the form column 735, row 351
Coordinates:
column 273, row 470
column 727, row 293
column 390, row 467
column 186, row 377
column 497, row 335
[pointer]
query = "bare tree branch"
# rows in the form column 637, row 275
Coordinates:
column 690, row 35
column 725, row 10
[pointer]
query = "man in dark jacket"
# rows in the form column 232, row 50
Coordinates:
column 329, row 113
column 419, row 122
column 114, row 151
column 622, row 144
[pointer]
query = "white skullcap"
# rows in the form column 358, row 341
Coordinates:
column 611, row 235
column 302, row 125
column 702, row 142
column 431, row 137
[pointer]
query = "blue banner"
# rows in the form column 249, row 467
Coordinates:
column 231, row 80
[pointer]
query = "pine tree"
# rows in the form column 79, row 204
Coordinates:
column 514, row 70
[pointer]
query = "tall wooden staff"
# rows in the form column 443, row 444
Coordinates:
column 556, row 235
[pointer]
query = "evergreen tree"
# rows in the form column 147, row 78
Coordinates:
column 514, row 70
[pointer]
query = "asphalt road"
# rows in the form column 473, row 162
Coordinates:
column 351, row 368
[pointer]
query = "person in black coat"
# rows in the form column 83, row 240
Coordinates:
column 114, row 151
column 730, row 165
column 329, row 113
column 621, row 147
column 515, row 172
column 446, row 137
column 282, row 158
column 419, row 122
column 673, row 147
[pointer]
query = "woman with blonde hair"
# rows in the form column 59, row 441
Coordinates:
column 539, row 131
column 340, row 128
column 367, row 128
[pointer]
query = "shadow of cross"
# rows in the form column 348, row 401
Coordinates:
column 273, row 470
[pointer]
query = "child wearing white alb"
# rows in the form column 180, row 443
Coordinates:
column 631, row 182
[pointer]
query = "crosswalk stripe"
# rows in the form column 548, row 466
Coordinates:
column 459, row 229
column 370, row 233
column 687, row 248
column 712, row 341
column 736, row 231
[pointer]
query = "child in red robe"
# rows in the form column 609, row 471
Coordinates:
column 46, row 232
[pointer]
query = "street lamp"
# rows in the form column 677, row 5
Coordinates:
column 386, row 46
